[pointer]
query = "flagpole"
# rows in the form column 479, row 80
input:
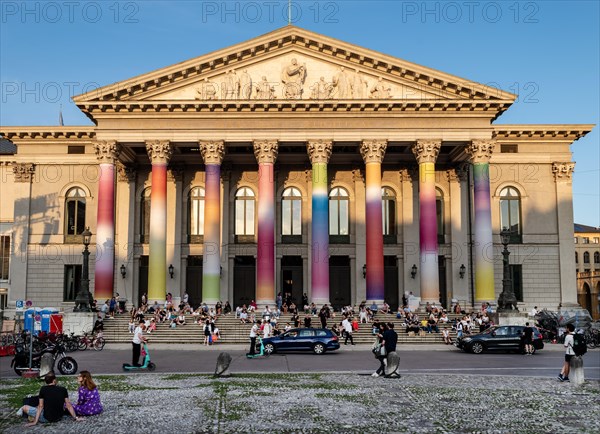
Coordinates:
column 289, row 12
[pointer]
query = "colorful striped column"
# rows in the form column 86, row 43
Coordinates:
column 212, row 154
column 319, row 152
column 107, row 153
column 159, row 152
column 373, row 152
column 480, row 152
column 265, row 152
column 426, row 153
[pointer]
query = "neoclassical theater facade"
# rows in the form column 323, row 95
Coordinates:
column 291, row 163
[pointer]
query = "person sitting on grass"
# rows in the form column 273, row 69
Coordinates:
column 88, row 401
column 54, row 400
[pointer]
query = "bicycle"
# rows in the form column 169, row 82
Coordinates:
column 97, row 342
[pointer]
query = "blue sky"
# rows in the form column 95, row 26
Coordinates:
column 545, row 51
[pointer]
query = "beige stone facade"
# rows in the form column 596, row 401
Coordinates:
column 587, row 263
column 290, row 88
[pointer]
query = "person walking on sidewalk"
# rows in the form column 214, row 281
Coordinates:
column 528, row 339
column 569, row 353
column 347, row 325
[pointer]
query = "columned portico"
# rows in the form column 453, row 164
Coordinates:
column 373, row 152
column 159, row 152
column 426, row 153
column 107, row 151
column 319, row 152
column 212, row 154
column 480, row 152
column 265, row 152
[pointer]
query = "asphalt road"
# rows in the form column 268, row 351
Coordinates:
column 357, row 359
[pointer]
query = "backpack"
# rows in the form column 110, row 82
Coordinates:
column 579, row 345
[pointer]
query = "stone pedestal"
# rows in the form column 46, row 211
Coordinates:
column 78, row 322
column 576, row 374
column 513, row 318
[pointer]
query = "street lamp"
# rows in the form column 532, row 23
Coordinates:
column 84, row 298
column 171, row 270
column 413, row 271
column 507, row 300
column 123, row 271
column 364, row 270
column 461, row 271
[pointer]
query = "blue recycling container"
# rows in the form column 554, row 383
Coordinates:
column 29, row 318
column 46, row 313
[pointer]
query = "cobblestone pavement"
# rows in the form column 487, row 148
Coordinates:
column 323, row 402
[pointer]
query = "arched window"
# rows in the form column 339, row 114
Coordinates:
column 291, row 212
column 145, row 216
column 339, row 204
column 586, row 257
column 510, row 212
column 596, row 257
column 75, row 213
column 196, row 207
column 244, row 211
column 439, row 213
column 388, row 208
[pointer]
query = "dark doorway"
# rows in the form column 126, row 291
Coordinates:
column 390, row 275
column 244, row 280
column 193, row 280
column 143, row 279
column 339, row 281
column 291, row 278
column 516, row 276
column 442, row 281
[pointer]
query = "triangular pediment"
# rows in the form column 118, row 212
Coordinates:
column 294, row 64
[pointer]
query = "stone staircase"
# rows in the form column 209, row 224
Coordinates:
column 234, row 332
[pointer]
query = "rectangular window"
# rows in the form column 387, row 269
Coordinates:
column 509, row 149
column 4, row 256
column 586, row 240
column 72, row 149
column 596, row 240
column 516, row 274
column 575, row 240
column 72, row 283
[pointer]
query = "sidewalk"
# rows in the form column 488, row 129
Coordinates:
column 316, row 403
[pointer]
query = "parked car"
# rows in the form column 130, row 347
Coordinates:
column 499, row 338
column 316, row 340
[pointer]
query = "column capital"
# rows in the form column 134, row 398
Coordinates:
column 175, row 174
column 107, row 151
column 373, row 151
column 426, row 151
column 126, row 173
column 23, row 171
column 319, row 151
column 480, row 150
column 408, row 174
column 456, row 174
column 563, row 171
column 266, row 151
column 358, row 175
column 212, row 151
column 159, row 151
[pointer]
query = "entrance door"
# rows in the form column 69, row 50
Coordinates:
column 193, row 280
column 291, row 278
column 442, row 278
column 143, row 279
column 339, row 281
column 390, row 276
column 244, row 280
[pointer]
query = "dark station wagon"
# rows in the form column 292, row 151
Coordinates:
column 316, row 340
column 499, row 338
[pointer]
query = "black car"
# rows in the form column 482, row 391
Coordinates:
column 499, row 338
column 316, row 340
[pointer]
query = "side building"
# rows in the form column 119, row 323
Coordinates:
column 587, row 262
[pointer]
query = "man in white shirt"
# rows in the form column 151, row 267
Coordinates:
column 534, row 311
column 569, row 353
column 266, row 328
column 347, row 325
column 253, row 334
column 136, row 342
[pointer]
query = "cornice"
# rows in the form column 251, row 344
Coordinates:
column 74, row 133
column 560, row 132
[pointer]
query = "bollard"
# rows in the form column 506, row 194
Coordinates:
column 223, row 362
column 576, row 374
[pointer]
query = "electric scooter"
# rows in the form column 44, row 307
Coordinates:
column 261, row 352
column 146, row 366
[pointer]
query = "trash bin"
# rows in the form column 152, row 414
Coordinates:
column 47, row 312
